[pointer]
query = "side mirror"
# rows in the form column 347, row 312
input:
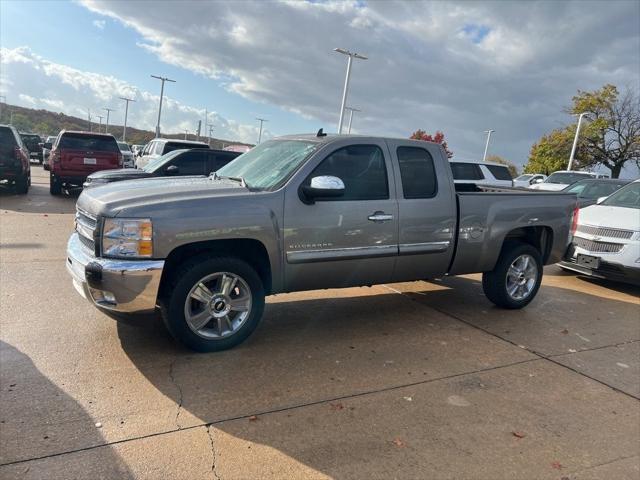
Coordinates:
column 325, row 186
column 172, row 170
column 47, row 145
column 536, row 180
column 601, row 199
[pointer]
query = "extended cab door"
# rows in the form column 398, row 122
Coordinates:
column 427, row 210
column 349, row 240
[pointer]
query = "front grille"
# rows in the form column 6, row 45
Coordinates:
column 86, row 225
column 605, row 232
column 597, row 247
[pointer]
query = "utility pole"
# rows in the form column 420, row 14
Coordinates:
column 4, row 100
column 89, row 118
column 575, row 141
column 345, row 91
column 100, row 126
column 126, row 112
column 486, row 147
column 186, row 131
column 261, row 120
column 108, row 110
column 351, row 110
column 210, row 133
column 162, row 79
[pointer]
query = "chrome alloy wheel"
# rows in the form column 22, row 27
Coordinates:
column 522, row 277
column 218, row 305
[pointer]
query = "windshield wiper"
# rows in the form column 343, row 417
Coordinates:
column 240, row 180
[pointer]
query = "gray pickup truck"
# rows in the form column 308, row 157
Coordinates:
column 300, row 213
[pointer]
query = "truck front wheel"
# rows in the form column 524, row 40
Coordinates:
column 516, row 278
column 55, row 186
column 213, row 303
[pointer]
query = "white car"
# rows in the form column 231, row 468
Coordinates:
column 606, row 242
column 160, row 146
column 127, row 155
column 561, row 179
column 481, row 173
column 527, row 179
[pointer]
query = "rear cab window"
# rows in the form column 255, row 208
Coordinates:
column 88, row 142
column 466, row 171
column 417, row 172
column 500, row 172
column 171, row 146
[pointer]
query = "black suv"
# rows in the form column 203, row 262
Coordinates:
column 33, row 143
column 14, row 159
column 194, row 161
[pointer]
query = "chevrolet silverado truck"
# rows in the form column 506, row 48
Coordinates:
column 300, row 213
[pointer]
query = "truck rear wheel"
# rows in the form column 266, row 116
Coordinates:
column 55, row 186
column 213, row 303
column 22, row 184
column 516, row 278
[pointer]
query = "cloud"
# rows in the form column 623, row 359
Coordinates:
column 99, row 24
column 58, row 87
column 456, row 67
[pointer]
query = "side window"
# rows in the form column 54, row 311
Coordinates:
column 148, row 147
column 190, row 163
column 500, row 173
column 466, row 171
column 417, row 172
column 361, row 168
column 159, row 148
column 218, row 160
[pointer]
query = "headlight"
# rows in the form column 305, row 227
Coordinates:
column 127, row 237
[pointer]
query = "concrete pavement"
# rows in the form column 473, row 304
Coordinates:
column 416, row 380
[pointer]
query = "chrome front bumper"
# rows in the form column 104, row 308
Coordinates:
column 121, row 285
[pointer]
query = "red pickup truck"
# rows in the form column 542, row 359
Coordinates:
column 75, row 155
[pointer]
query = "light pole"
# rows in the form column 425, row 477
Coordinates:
column 486, row 147
column 108, row 110
column 89, row 118
column 262, row 120
column 351, row 110
column 126, row 112
column 4, row 100
column 575, row 140
column 210, row 133
column 100, row 126
column 351, row 56
column 162, row 79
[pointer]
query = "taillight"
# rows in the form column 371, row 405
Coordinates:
column 574, row 220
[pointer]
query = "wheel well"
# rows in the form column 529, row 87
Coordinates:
column 540, row 238
column 251, row 251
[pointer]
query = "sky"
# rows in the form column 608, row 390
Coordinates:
column 457, row 67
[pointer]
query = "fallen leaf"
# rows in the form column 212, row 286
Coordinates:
column 337, row 406
column 556, row 465
column 398, row 442
column 253, row 418
column 408, row 399
column 518, row 434
column 565, row 331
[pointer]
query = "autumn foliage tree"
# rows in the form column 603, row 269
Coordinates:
column 437, row 138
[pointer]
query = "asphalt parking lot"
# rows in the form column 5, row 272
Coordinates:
column 416, row 380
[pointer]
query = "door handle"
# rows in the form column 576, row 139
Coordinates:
column 380, row 217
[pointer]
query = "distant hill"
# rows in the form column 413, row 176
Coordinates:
column 45, row 122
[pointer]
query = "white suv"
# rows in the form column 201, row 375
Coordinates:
column 481, row 173
column 159, row 146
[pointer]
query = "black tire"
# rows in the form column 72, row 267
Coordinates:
column 494, row 283
column 181, row 283
column 22, row 184
column 55, row 186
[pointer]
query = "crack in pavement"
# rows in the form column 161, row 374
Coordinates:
column 213, row 453
column 180, row 398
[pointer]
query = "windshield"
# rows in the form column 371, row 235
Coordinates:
column 576, row 187
column 268, row 165
column 567, row 177
column 628, row 197
column 524, row 177
column 156, row 163
column 124, row 147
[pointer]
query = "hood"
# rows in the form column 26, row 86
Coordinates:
column 120, row 174
column 612, row 217
column 550, row 187
column 110, row 199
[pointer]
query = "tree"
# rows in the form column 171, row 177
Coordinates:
column 610, row 134
column 437, row 138
column 497, row 159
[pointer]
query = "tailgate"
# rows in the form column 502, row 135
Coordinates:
column 88, row 161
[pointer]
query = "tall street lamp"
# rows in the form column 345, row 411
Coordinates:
column 351, row 110
column 575, row 140
column 351, row 56
column 261, row 120
column 126, row 112
column 108, row 110
column 100, row 124
column 486, row 147
column 162, row 79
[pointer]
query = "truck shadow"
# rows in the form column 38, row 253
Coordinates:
column 37, row 200
column 309, row 350
column 31, row 409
